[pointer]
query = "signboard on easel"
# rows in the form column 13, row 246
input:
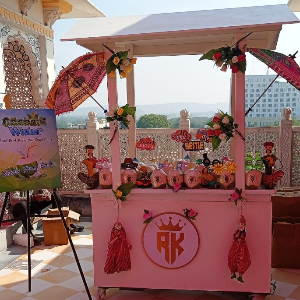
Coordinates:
column 29, row 154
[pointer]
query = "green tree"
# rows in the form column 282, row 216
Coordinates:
column 174, row 122
column 153, row 121
column 296, row 122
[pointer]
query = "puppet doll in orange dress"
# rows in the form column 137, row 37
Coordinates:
column 239, row 258
column 118, row 256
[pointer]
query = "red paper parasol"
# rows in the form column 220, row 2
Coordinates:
column 77, row 82
column 284, row 66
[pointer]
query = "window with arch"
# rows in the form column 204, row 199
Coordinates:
column 21, row 74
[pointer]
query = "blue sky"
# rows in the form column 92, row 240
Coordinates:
column 167, row 79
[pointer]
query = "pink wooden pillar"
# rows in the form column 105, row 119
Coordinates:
column 131, row 102
column 115, row 144
column 239, row 114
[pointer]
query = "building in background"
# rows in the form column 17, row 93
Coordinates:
column 267, row 111
column 26, row 46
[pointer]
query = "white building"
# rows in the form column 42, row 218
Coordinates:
column 267, row 111
column 26, row 46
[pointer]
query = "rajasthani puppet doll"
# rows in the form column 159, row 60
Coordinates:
column 118, row 256
column 239, row 258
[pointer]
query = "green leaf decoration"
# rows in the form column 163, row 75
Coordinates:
column 215, row 142
column 236, row 125
column 148, row 221
column 110, row 66
column 125, row 109
column 125, row 188
column 210, row 124
column 131, row 111
column 122, row 54
column 123, row 198
column 209, row 54
column 242, row 66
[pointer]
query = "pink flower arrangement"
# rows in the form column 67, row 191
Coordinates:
column 147, row 216
column 236, row 196
column 225, row 57
column 222, row 128
column 190, row 213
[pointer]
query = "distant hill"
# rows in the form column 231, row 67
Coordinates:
column 171, row 110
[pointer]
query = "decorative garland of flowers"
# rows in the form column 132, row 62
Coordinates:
column 225, row 57
column 223, row 129
column 237, row 195
column 122, row 114
column 190, row 214
column 123, row 191
column 119, row 61
column 147, row 216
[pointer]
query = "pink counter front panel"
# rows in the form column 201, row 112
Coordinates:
column 215, row 224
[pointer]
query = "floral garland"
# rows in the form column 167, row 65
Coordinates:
column 225, row 57
column 190, row 214
column 237, row 195
column 223, row 129
column 123, row 191
column 123, row 114
column 147, row 216
column 119, row 61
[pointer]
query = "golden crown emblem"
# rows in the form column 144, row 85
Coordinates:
column 170, row 226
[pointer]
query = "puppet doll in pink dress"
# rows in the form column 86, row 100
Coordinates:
column 239, row 257
column 118, row 256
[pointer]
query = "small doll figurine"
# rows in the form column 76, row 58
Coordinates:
column 269, row 159
column 91, row 178
column 271, row 177
column 118, row 256
column 239, row 258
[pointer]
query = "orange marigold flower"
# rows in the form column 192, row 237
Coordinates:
column 123, row 74
column 231, row 167
column 116, row 60
column 218, row 169
column 120, row 111
column 112, row 74
column 133, row 60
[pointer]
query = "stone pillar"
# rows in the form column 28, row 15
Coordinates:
column 92, row 135
column 285, row 145
column 184, row 124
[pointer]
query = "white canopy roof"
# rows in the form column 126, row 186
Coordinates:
column 82, row 9
column 179, row 33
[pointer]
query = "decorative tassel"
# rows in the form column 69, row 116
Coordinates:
column 118, row 256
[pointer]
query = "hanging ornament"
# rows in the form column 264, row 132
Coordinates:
column 239, row 257
column 118, row 256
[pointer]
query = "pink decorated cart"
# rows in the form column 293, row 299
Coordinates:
column 173, row 252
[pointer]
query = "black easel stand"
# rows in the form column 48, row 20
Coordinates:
column 58, row 203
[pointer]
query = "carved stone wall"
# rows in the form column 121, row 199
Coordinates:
column 22, row 66
column 295, row 157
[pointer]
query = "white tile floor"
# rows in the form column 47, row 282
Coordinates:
column 56, row 278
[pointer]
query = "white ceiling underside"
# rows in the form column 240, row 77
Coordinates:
column 82, row 9
column 184, row 33
column 294, row 5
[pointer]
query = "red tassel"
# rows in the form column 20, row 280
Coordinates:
column 118, row 256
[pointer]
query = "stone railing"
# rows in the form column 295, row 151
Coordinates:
column 71, row 142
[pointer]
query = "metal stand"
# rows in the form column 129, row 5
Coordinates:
column 58, row 203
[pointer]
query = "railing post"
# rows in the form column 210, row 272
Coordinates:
column 285, row 145
column 184, row 124
column 92, row 135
